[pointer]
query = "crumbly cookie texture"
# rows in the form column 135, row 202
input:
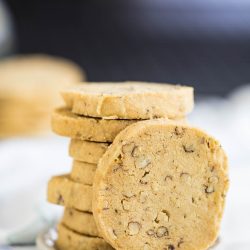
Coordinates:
column 130, row 100
column 80, row 222
column 87, row 151
column 65, row 192
column 70, row 240
column 160, row 185
column 65, row 123
column 83, row 172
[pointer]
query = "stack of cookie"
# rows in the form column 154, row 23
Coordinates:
column 93, row 116
column 135, row 194
column 29, row 86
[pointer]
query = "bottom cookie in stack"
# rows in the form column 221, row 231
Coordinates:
column 69, row 239
column 77, row 229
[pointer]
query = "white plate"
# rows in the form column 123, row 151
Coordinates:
column 46, row 240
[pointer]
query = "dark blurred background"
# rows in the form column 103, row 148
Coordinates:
column 202, row 43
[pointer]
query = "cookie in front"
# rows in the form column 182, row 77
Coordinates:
column 161, row 185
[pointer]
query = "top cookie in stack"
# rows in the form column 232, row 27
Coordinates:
column 130, row 100
column 98, row 112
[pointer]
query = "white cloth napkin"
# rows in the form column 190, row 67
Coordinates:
column 26, row 164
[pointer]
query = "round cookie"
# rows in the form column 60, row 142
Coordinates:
column 29, row 86
column 130, row 100
column 65, row 123
column 19, row 118
column 68, row 239
column 83, row 172
column 17, row 127
column 35, row 75
column 63, row 191
column 160, row 185
column 80, row 222
column 87, row 151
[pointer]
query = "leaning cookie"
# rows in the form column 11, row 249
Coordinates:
column 65, row 192
column 160, row 185
column 130, row 100
column 65, row 123
column 87, row 151
column 80, row 222
column 70, row 240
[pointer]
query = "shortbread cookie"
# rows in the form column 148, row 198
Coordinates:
column 68, row 124
column 130, row 100
column 87, row 151
column 63, row 191
column 70, row 240
column 80, row 222
column 160, row 185
column 29, row 86
column 20, row 119
column 83, row 172
column 32, row 76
